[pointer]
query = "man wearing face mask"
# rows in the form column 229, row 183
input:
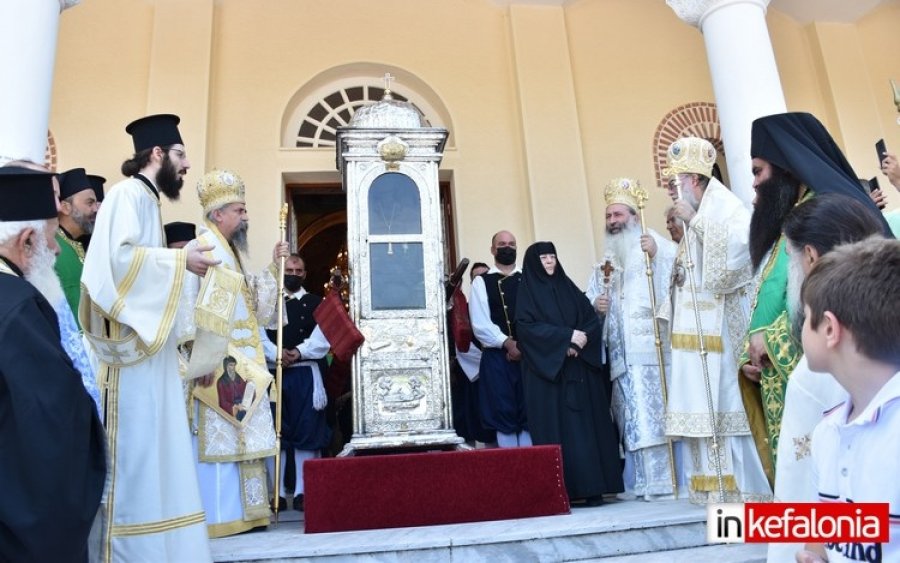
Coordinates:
column 493, row 312
column 304, row 429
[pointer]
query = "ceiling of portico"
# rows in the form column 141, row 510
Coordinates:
column 842, row 11
column 804, row 11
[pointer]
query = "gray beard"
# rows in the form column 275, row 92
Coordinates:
column 688, row 196
column 625, row 243
column 794, row 285
column 85, row 224
column 41, row 274
column 239, row 239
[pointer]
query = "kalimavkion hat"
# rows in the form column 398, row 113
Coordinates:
column 97, row 183
column 160, row 130
column 177, row 231
column 26, row 195
column 73, row 181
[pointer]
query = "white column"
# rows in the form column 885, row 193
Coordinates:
column 744, row 74
column 30, row 29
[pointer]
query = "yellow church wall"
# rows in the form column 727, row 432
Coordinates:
column 100, row 82
column 548, row 103
column 879, row 40
column 461, row 50
column 634, row 61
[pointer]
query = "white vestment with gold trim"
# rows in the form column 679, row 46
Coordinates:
column 230, row 458
column 132, row 285
column 722, row 274
column 637, row 391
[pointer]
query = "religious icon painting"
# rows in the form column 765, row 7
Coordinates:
column 238, row 387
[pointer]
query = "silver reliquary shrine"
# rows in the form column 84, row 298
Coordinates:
column 388, row 158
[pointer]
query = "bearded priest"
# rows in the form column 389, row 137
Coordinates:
column 53, row 464
column 132, row 285
column 231, row 416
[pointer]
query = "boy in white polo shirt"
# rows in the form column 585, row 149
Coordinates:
column 852, row 330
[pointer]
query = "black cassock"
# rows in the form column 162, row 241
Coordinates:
column 52, row 456
column 565, row 397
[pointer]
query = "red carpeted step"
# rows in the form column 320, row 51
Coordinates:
column 424, row 489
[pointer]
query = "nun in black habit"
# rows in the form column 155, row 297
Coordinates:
column 560, row 340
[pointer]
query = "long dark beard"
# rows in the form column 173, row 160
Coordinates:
column 167, row 179
column 776, row 197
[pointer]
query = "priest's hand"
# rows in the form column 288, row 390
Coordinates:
column 571, row 353
column 684, row 210
column 757, row 350
column 751, row 372
column 197, row 262
column 601, row 304
column 281, row 250
column 648, row 245
column 512, row 350
column 579, row 338
column 206, row 380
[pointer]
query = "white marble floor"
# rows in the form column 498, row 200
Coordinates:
column 617, row 531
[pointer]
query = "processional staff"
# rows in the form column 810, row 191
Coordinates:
column 279, row 343
column 641, row 196
column 689, row 268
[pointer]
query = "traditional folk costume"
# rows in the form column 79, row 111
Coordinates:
column 133, row 285
column 638, row 397
column 304, row 428
column 502, row 402
column 717, row 236
column 799, row 144
column 231, row 444
column 53, row 463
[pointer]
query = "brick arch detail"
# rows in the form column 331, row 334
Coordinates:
column 50, row 156
column 696, row 119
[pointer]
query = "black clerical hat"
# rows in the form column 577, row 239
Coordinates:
column 97, row 183
column 177, row 231
column 159, row 130
column 73, row 181
column 26, row 195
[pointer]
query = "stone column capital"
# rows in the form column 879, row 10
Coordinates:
column 65, row 4
column 694, row 11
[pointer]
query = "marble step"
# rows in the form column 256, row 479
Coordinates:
column 610, row 532
column 732, row 553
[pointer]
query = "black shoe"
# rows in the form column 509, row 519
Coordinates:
column 298, row 503
column 282, row 504
column 594, row 501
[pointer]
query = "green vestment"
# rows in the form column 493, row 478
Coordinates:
column 68, row 268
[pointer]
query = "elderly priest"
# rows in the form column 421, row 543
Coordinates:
column 52, row 464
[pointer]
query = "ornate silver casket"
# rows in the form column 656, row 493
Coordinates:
column 388, row 158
